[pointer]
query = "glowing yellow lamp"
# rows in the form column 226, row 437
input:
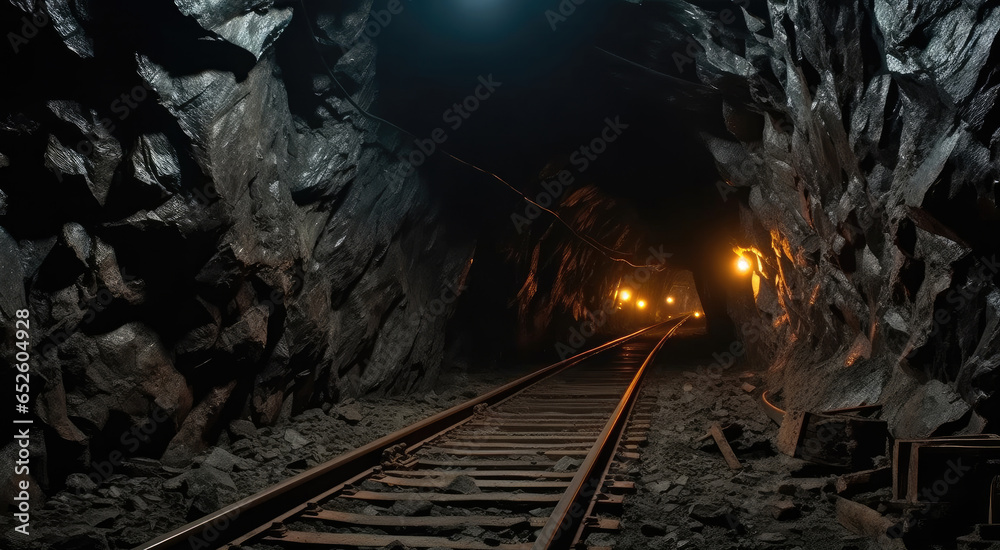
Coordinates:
column 625, row 295
column 670, row 299
column 743, row 265
column 641, row 304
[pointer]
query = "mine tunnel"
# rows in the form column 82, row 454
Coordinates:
column 481, row 274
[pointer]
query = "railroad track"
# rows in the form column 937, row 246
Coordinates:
column 523, row 467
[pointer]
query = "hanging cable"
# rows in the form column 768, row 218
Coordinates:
column 610, row 253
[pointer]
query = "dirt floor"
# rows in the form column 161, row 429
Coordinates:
column 687, row 497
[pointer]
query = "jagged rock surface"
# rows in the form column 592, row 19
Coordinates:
column 863, row 144
column 200, row 237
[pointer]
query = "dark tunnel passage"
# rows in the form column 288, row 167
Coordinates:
column 220, row 217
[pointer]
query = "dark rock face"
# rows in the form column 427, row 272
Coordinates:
column 863, row 144
column 202, row 232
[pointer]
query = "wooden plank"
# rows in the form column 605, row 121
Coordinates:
column 425, row 521
column 499, row 464
column 866, row 522
column 508, row 452
column 620, row 487
column 376, row 496
column 528, row 415
column 606, row 499
column 790, row 432
column 723, row 444
column 519, row 438
column 864, row 481
column 481, row 483
column 900, row 467
column 605, row 524
column 482, row 473
column 540, row 427
column 327, row 540
column 514, row 447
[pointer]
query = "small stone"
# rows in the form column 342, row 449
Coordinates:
column 296, row 439
column 204, row 478
column 688, row 387
column 462, row 485
column 244, row 447
column 566, row 464
column 138, row 503
column 370, row 485
column 175, row 483
column 221, row 460
column 787, row 489
column 242, row 429
column 784, row 510
column 660, row 487
column 350, row 413
column 772, row 538
column 410, row 508
column 652, row 530
column 80, row 483
column 474, row 531
column 708, row 514
column 682, row 480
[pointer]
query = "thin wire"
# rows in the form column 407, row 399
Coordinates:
column 654, row 71
column 610, row 253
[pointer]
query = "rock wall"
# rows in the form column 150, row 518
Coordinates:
column 203, row 228
column 863, row 145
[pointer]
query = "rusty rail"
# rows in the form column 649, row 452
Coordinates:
column 563, row 525
column 249, row 514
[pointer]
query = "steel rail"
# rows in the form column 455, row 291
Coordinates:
column 251, row 512
column 563, row 525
